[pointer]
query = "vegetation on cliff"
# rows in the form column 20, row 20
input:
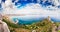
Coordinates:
column 40, row 26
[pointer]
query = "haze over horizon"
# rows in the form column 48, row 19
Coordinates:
column 39, row 7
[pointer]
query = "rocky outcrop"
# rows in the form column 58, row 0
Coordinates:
column 3, row 27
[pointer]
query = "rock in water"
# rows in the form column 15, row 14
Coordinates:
column 16, row 21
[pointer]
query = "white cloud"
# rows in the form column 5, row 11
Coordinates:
column 33, row 9
column 0, row 1
column 56, row 2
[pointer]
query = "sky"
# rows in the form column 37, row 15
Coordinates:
column 24, row 2
column 31, row 7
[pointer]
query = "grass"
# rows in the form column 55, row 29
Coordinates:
column 42, row 26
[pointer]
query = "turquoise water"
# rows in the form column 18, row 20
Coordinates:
column 27, row 20
column 23, row 20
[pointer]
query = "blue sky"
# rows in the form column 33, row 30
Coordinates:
column 41, row 8
column 24, row 2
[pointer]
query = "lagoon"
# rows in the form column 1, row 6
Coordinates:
column 32, row 19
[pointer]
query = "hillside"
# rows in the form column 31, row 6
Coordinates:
column 40, row 26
